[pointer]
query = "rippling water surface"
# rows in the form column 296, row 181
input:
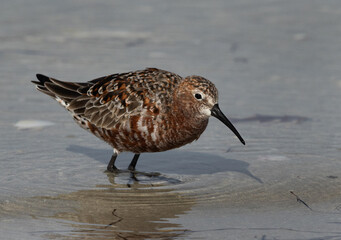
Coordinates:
column 277, row 67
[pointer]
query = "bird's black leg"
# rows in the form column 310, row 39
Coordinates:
column 132, row 165
column 111, row 166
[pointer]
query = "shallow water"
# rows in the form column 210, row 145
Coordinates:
column 277, row 67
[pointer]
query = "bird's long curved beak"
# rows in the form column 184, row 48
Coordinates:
column 216, row 112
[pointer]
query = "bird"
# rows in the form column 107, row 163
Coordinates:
column 150, row 110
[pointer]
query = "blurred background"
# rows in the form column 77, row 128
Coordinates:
column 276, row 64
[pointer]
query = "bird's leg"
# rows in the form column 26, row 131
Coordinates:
column 132, row 165
column 133, row 173
column 111, row 166
column 133, row 176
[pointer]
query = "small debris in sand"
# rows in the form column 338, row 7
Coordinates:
column 32, row 124
column 300, row 200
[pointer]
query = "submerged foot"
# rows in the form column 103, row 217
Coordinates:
column 114, row 170
column 133, row 172
column 147, row 174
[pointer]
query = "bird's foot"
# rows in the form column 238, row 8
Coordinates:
column 132, row 172
column 114, row 170
column 147, row 174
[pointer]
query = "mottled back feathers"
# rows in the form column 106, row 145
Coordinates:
column 106, row 100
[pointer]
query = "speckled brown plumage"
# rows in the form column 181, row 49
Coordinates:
column 150, row 110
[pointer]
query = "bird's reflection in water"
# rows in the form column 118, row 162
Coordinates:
column 120, row 211
column 137, row 179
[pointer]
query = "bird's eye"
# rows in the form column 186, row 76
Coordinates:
column 198, row 96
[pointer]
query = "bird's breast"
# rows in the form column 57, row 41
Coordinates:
column 150, row 133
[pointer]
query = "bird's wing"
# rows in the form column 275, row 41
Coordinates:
column 115, row 98
column 107, row 100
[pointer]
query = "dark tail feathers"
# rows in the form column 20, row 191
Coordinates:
column 66, row 91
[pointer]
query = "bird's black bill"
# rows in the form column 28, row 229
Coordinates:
column 216, row 112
